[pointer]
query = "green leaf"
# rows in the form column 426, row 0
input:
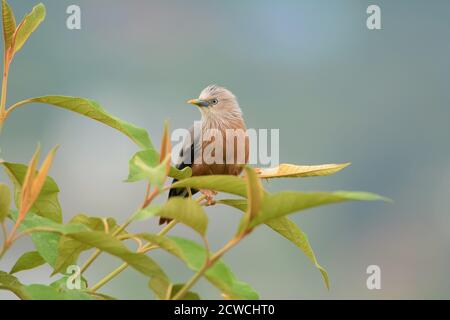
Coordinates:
column 284, row 203
column 47, row 204
column 138, row 261
column 147, row 213
column 46, row 242
column 150, row 157
column 194, row 256
column 5, row 201
column 160, row 287
column 93, row 110
column 180, row 174
column 43, row 292
column 219, row 275
column 184, row 210
column 69, row 249
column 11, row 283
column 289, row 230
column 221, row 183
column 295, row 171
column 188, row 296
column 28, row 261
column 9, row 24
column 61, row 284
column 28, row 25
column 145, row 165
column 240, row 204
column 255, row 194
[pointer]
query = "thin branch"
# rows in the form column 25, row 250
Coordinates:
column 146, row 248
column 4, row 231
column 209, row 262
column 109, row 277
column 15, row 106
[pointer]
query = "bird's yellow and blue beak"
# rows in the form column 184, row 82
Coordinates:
column 198, row 102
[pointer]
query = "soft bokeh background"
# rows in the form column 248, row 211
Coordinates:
column 337, row 91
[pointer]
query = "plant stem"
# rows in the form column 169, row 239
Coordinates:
column 192, row 281
column 3, row 113
column 208, row 264
column 4, row 231
column 144, row 249
column 4, row 83
column 109, row 277
column 15, row 106
column 5, row 246
column 3, row 250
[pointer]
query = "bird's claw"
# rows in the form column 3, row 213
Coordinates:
column 209, row 194
column 258, row 170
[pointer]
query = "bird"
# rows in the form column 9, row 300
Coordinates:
column 222, row 123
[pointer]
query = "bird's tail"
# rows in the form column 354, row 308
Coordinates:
column 176, row 192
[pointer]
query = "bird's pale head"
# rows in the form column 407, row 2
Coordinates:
column 217, row 103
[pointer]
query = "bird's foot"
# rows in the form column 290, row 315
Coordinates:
column 209, row 194
column 258, row 170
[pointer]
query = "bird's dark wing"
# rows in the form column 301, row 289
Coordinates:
column 186, row 159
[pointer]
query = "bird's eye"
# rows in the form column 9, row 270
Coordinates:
column 214, row 101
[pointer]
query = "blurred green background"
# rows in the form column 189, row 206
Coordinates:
column 337, row 91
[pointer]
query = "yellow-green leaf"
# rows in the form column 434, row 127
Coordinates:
column 284, row 203
column 188, row 296
column 28, row 261
column 147, row 213
column 255, row 194
column 46, row 242
column 295, row 171
column 184, row 210
column 69, row 249
column 240, row 204
column 180, row 174
column 289, row 230
column 93, row 110
column 194, row 256
column 5, row 201
column 28, row 25
column 221, row 183
column 138, row 261
column 150, row 157
column 43, row 292
column 9, row 24
column 11, row 283
column 47, row 204
column 145, row 165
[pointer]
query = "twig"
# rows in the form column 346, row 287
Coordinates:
column 209, row 262
column 4, row 231
column 125, row 265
